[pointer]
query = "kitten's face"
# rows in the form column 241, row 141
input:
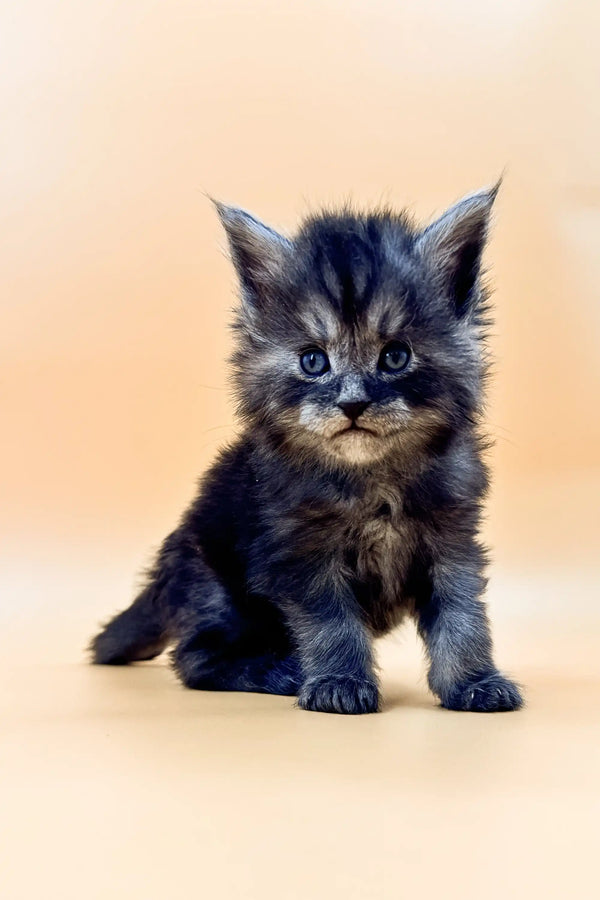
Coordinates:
column 344, row 390
column 360, row 338
column 354, row 408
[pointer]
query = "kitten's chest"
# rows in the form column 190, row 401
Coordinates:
column 381, row 544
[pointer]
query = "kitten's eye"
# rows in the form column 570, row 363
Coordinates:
column 394, row 357
column 314, row 362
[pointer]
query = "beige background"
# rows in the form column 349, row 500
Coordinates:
column 116, row 118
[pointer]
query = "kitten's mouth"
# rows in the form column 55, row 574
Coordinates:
column 355, row 429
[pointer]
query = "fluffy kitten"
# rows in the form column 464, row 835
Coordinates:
column 353, row 495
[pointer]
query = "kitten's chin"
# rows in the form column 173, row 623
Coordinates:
column 357, row 447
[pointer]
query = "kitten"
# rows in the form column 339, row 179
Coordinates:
column 353, row 496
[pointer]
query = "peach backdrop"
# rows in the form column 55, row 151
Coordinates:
column 117, row 117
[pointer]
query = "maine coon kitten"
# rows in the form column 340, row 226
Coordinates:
column 352, row 498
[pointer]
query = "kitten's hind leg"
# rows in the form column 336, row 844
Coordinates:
column 217, row 647
column 223, row 659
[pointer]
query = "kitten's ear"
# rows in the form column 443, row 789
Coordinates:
column 258, row 252
column 453, row 244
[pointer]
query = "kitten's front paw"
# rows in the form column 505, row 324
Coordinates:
column 494, row 693
column 352, row 696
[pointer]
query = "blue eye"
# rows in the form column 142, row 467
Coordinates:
column 394, row 357
column 314, row 362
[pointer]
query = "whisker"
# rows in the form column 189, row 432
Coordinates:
column 216, row 428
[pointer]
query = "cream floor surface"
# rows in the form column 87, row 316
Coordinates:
column 118, row 783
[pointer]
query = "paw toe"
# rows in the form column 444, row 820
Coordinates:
column 349, row 696
column 494, row 693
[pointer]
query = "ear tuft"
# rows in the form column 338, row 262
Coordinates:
column 453, row 245
column 258, row 252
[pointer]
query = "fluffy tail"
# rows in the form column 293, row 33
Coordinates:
column 137, row 633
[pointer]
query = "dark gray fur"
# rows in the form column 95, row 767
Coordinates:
column 350, row 499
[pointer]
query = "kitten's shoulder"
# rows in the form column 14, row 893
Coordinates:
column 455, row 476
column 224, row 489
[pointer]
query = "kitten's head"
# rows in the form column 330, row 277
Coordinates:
column 361, row 335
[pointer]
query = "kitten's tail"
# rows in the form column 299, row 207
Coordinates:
column 138, row 633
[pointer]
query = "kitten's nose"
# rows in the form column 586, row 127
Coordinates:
column 354, row 408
